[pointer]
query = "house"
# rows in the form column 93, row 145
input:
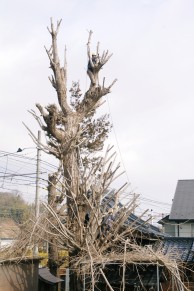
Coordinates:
column 142, row 274
column 179, row 229
column 145, row 233
column 177, row 242
column 180, row 221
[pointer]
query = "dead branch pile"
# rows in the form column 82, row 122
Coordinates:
column 96, row 235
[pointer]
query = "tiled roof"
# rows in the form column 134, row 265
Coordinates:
column 179, row 248
column 140, row 224
column 164, row 220
column 183, row 202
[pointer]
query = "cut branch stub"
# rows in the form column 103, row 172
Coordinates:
column 95, row 62
column 51, row 120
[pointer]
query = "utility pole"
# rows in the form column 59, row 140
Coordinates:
column 37, row 204
column 158, row 277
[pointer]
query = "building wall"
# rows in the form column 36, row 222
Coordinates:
column 185, row 230
column 179, row 230
column 169, row 229
column 21, row 276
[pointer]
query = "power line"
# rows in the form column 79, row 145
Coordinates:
column 16, row 175
column 13, row 177
column 117, row 140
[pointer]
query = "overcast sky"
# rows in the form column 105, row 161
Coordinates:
column 152, row 104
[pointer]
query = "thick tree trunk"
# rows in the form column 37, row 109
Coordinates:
column 75, row 281
column 71, row 175
column 53, row 258
column 75, row 203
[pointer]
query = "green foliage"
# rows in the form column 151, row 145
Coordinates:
column 13, row 205
column 76, row 95
column 94, row 131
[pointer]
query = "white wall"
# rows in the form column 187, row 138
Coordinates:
column 186, row 229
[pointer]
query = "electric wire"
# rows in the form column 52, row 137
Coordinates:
column 116, row 139
column 13, row 178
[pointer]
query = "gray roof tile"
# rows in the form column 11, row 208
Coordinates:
column 183, row 202
column 179, row 248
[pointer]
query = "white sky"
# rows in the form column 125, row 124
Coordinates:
column 152, row 103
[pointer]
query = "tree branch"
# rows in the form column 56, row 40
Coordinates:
column 59, row 79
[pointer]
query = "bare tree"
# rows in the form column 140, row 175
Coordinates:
column 71, row 127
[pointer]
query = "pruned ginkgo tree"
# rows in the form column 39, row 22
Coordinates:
column 72, row 130
column 71, row 127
